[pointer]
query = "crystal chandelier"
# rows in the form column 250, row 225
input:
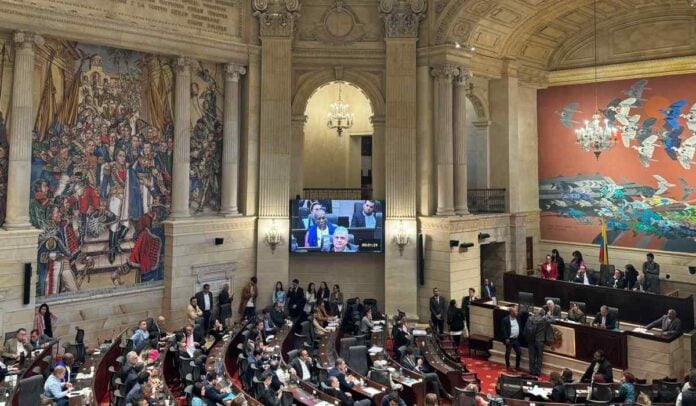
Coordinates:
column 597, row 135
column 339, row 117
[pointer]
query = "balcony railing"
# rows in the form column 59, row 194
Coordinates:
column 486, row 200
column 337, row 193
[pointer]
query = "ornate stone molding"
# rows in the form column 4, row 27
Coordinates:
column 182, row 64
column 402, row 17
column 445, row 72
column 339, row 26
column 234, row 72
column 464, row 78
column 276, row 17
column 27, row 39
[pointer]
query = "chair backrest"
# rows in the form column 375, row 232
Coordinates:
column 464, row 398
column 556, row 300
column 570, row 392
column 614, row 312
column 644, row 388
column 346, row 343
column 525, row 298
column 225, row 312
column 581, row 305
column 373, row 305
column 30, row 390
column 602, row 392
column 510, row 387
column 380, row 376
column 292, row 354
column 357, row 359
column 667, row 392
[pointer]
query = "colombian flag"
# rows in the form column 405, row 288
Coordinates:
column 603, row 244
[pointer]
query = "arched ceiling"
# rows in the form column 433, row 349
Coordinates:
column 558, row 34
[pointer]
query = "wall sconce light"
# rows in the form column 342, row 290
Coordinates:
column 273, row 237
column 401, row 237
column 466, row 245
column 454, row 243
column 483, row 236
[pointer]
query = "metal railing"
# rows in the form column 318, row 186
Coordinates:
column 337, row 193
column 486, row 200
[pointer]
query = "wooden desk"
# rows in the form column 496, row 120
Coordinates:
column 449, row 372
column 100, row 383
column 230, row 352
column 414, row 390
column 637, row 307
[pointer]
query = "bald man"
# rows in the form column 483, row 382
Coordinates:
column 57, row 390
column 669, row 323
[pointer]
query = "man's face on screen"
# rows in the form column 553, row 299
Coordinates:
column 339, row 241
column 368, row 207
column 320, row 218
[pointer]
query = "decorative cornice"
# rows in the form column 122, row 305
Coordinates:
column 27, row 40
column 464, row 78
column 465, row 224
column 276, row 17
column 234, row 72
column 183, row 64
column 402, row 17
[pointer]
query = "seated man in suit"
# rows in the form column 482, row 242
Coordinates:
column 269, row 396
column 642, row 284
column 552, row 310
column 366, row 217
column 585, row 277
column 17, row 348
column 339, row 242
column 669, row 323
column 410, row 362
column 599, row 370
column 617, row 280
column 345, row 397
column 37, row 340
column 301, row 366
column 604, row 319
column 346, row 381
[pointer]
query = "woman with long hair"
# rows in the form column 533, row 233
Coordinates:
column 631, row 276
column 560, row 263
column 279, row 294
column 323, row 295
column 336, row 300
column 310, row 298
column 549, row 269
column 44, row 320
column 577, row 260
column 627, row 392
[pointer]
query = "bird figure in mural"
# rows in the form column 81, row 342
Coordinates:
column 672, row 114
column 646, row 150
column 686, row 188
column 662, row 184
column 567, row 114
column 645, row 129
column 610, row 111
column 685, row 152
column 630, row 130
column 636, row 92
column 623, row 109
column 691, row 119
column 671, row 141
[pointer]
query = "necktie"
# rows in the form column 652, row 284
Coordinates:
column 604, row 321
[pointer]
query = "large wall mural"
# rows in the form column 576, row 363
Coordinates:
column 644, row 186
column 5, row 90
column 206, row 137
column 101, row 166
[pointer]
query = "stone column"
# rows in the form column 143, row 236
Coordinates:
column 378, row 157
column 444, row 154
column 424, row 150
column 297, row 148
column 250, row 159
column 230, row 141
column 182, row 139
column 461, row 181
column 22, row 120
column 401, row 20
column 277, row 25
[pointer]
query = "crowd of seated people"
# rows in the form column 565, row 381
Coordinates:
column 554, row 267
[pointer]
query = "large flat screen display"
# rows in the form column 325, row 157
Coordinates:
column 336, row 226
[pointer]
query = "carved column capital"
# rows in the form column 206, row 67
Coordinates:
column 27, row 39
column 182, row 64
column 234, row 72
column 276, row 17
column 402, row 17
column 444, row 72
column 464, row 77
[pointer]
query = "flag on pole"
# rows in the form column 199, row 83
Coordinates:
column 603, row 244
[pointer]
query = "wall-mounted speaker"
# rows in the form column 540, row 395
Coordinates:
column 454, row 243
column 219, row 241
column 483, row 236
column 692, row 270
column 421, row 258
column 27, row 283
column 466, row 245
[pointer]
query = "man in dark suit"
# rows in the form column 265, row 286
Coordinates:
column 466, row 301
column 205, row 302
column 552, row 309
column 410, row 362
column 438, row 311
column 224, row 298
column 617, row 280
column 366, row 217
column 302, row 365
column 511, row 328
column 346, row 382
column 669, row 323
column 488, row 290
column 585, row 277
column 536, row 333
column 599, row 370
column 345, row 397
column 270, row 397
column 295, row 299
column 604, row 319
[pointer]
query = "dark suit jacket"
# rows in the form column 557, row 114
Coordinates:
column 438, row 307
column 296, row 298
column 507, row 327
column 558, row 394
column 466, row 301
column 538, row 329
column 298, row 369
column 620, row 283
column 224, row 298
column 604, row 369
column 340, row 395
column 590, row 277
column 674, row 325
column 556, row 311
column 201, row 301
column 269, row 398
column 358, row 220
column 610, row 322
column 484, row 292
column 212, row 394
column 155, row 331
column 345, row 385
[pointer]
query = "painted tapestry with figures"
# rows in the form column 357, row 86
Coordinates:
column 206, row 137
column 5, row 89
column 644, row 186
column 101, row 166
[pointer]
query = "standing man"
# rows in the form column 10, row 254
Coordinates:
column 247, row 306
column 511, row 335
column 224, row 298
column 535, row 332
column 437, row 311
column 488, row 290
column 651, row 270
column 205, row 302
column 295, row 299
column 466, row 301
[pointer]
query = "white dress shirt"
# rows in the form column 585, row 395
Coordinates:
column 514, row 328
